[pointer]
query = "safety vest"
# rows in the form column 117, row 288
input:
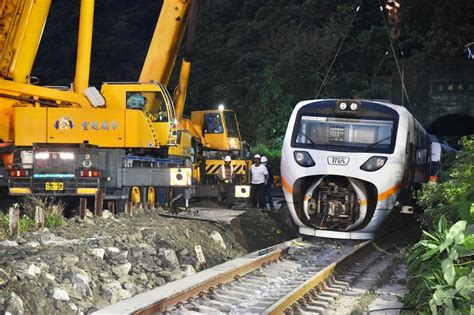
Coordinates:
column 223, row 172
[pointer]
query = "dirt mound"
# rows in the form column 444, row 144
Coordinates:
column 256, row 229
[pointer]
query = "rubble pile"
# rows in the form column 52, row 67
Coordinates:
column 88, row 264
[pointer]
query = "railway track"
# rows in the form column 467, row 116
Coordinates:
column 296, row 277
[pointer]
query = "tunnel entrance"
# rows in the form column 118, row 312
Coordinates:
column 452, row 127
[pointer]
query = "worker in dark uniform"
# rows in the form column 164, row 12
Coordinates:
column 268, row 183
column 226, row 182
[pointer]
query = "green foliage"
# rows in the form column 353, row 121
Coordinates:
column 440, row 270
column 453, row 198
column 26, row 224
column 4, row 228
column 440, row 265
column 53, row 219
column 53, row 209
column 53, row 214
column 272, row 112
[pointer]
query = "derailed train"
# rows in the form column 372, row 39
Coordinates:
column 346, row 163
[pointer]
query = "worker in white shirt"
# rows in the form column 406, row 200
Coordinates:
column 259, row 174
column 226, row 182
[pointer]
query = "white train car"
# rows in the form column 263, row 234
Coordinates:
column 345, row 164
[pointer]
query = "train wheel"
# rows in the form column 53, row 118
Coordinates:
column 151, row 197
column 135, row 196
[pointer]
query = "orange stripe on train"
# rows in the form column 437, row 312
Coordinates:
column 391, row 191
column 286, row 186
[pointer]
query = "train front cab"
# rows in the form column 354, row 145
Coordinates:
column 342, row 170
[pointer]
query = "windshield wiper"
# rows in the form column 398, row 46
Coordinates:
column 308, row 137
column 373, row 145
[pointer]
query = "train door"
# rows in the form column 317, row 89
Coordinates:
column 411, row 154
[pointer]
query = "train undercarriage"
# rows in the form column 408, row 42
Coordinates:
column 337, row 203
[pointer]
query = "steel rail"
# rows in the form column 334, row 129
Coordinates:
column 286, row 302
column 193, row 292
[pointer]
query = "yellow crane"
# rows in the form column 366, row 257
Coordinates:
column 208, row 135
column 80, row 141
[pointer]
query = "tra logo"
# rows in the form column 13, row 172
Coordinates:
column 338, row 160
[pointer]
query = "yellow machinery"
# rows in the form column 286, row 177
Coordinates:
column 210, row 135
column 195, row 139
column 78, row 141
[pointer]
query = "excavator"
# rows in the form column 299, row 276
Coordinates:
column 79, row 141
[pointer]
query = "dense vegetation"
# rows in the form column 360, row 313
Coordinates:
column 441, row 277
column 261, row 57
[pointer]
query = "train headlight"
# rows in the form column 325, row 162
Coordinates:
column 303, row 158
column 347, row 107
column 374, row 163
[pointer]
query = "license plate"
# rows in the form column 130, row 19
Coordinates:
column 54, row 186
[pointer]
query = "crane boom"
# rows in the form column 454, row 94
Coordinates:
column 166, row 41
column 21, row 28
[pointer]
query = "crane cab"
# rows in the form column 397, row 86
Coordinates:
column 145, row 104
column 220, row 129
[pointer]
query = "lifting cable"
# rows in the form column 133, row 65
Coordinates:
column 402, row 79
column 339, row 48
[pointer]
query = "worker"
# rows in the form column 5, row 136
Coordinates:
column 259, row 174
column 435, row 165
column 226, row 182
column 268, row 183
column 136, row 100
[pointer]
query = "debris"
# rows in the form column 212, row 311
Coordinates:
column 122, row 270
column 60, row 294
column 188, row 270
column 106, row 214
column 80, row 281
column 89, row 266
column 113, row 292
column 98, row 252
column 217, row 237
column 33, row 271
column 169, row 258
column 14, row 304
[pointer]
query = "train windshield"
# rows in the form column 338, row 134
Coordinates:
column 346, row 134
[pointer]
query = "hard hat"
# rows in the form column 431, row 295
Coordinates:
column 256, row 156
column 264, row 159
column 227, row 159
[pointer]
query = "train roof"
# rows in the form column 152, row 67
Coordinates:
column 387, row 103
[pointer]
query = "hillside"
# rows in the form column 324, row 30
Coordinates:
column 261, row 57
